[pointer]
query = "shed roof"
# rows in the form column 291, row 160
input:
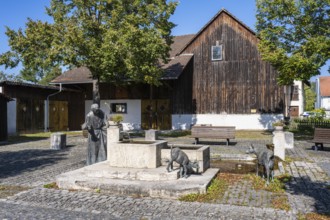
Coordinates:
column 5, row 97
column 325, row 85
column 24, row 84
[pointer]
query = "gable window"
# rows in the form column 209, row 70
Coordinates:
column 119, row 107
column 216, row 52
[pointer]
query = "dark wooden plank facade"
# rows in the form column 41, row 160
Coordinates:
column 239, row 83
column 30, row 106
column 3, row 117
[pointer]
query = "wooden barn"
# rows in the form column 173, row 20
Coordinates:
column 30, row 113
column 3, row 117
column 213, row 77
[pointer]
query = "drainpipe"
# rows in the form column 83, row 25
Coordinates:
column 47, row 108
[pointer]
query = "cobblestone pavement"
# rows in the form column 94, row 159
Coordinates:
column 33, row 164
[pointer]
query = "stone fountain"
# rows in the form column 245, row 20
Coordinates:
column 139, row 168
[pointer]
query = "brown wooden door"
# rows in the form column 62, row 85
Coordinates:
column 30, row 115
column 156, row 114
column 58, row 116
column 294, row 111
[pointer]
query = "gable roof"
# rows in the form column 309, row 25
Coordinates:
column 324, row 85
column 222, row 11
column 74, row 76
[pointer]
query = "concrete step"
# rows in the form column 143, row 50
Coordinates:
column 156, row 182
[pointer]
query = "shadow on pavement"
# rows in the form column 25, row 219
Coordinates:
column 313, row 189
column 18, row 162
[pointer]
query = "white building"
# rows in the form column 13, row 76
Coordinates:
column 323, row 93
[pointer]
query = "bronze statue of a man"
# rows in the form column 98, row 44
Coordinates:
column 96, row 125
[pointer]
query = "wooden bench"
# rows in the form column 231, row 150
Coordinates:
column 213, row 132
column 321, row 136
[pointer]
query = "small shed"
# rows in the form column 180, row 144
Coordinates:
column 3, row 117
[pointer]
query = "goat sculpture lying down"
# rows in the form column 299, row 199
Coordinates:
column 181, row 158
column 265, row 157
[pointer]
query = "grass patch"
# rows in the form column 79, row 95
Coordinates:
column 175, row 133
column 215, row 191
column 6, row 191
column 275, row 186
column 37, row 136
column 250, row 134
column 52, row 185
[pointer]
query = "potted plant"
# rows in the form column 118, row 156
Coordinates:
column 278, row 125
column 116, row 120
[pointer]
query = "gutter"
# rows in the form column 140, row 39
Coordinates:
column 47, row 109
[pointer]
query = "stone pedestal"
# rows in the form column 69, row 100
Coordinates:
column 279, row 146
column 113, row 134
column 151, row 135
column 289, row 140
column 57, row 141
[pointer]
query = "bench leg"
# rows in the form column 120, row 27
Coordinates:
column 227, row 142
column 196, row 141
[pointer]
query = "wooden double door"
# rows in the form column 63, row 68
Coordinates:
column 31, row 116
column 156, row 114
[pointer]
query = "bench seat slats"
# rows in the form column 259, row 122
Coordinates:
column 321, row 136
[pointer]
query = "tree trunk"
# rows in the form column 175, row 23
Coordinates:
column 96, row 91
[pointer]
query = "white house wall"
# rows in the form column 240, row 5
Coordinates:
column 132, row 119
column 11, row 117
column 240, row 121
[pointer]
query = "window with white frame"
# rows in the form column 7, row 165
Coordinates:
column 216, row 52
column 119, row 107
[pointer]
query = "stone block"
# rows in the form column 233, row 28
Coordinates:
column 57, row 141
column 113, row 134
column 289, row 140
column 279, row 144
column 151, row 135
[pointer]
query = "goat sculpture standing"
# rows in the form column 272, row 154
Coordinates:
column 265, row 157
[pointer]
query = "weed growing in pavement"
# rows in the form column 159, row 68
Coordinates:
column 51, row 186
column 281, row 202
column 215, row 191
column 313, row 216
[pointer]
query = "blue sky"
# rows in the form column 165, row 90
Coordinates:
column 190, row 16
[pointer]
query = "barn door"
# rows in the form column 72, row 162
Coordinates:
column 58, row 116
column 156, row 114
column 30, row 115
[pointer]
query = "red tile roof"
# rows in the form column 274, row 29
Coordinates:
column 325, row 85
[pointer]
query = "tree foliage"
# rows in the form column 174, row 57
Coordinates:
column 294, row 36
column 310, row 96
column 116, row 39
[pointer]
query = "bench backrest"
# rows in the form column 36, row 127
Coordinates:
column 213, row 131
column 322, row 134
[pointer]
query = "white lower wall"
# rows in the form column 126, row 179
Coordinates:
column 132, row 119
column 241, row 122
column 11, row 117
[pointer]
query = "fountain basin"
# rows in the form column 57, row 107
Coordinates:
column 135, row 154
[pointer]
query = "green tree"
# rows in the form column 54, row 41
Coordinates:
column 310, row 96
column 294, row 36
column 116, row 39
